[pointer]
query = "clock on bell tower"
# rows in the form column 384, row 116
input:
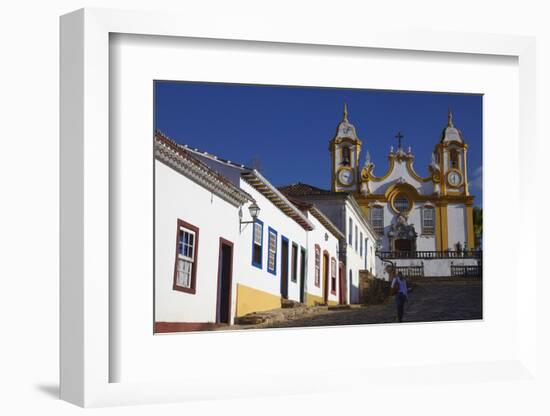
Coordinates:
column 344, row 148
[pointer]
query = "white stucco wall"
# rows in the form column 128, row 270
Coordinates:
column 432, row 268
column 423, row 242
column 317, row 236
column 177, row 197
column 273, row 217
column 399, row 171
column 355, row 260
column 456, row 215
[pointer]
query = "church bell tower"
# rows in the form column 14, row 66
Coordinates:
column 344, row 148
column 450, row 155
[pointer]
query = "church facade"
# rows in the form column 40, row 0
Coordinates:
column 409, row 212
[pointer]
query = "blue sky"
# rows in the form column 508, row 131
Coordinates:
column 288, row 128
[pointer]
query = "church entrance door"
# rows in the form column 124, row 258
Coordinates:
column 403, row 245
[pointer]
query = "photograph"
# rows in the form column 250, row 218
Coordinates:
column 279, row 206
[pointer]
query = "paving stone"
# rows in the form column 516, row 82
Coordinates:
column 430, row 301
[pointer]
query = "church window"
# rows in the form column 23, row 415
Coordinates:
column 257, row 243
column 401, row 203
column 377, row 219
column 346, row 156
column 454, row 159
column 272, row 251
column 317, row 265
column 186, row 257
column 428, row 220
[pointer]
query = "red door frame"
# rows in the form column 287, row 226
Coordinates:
column 223, row 241
column 326, row 270
column 342, row 281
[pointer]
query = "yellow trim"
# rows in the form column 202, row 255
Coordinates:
column 442, row 183
column 405, row 189
column 470, row 226
column 312, row 300
column 332, row 149
column 411, row 171
column 407, row 197
column 437, row 229
column 356, row 172
column 455, row 198
column 367, row 174
column 444, row 227
column 365, row 209
column 466, row 186
column 253, row 300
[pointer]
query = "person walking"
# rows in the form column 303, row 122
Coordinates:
column 401, row 292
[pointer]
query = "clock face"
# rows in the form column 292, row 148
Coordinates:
column 345, row 176
column 454, row 178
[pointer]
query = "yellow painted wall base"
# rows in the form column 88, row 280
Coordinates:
column 312, row 300
column 253, row 300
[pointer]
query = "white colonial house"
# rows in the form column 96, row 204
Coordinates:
column 196, row 231
column 215, row 262
column 357, row 236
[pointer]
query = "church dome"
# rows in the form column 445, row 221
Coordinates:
column 451, row 133
column 345, row 129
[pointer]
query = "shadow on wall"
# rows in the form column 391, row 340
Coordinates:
column 353, row 291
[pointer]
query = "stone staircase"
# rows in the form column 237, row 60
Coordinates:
column 289, row 310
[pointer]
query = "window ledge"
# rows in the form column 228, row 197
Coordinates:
column 190, row 290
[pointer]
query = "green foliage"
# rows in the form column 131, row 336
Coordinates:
column 478, row 224
column 377, row 291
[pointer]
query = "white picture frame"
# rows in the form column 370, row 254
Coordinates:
column 86, row 356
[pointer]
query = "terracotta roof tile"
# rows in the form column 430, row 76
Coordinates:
column 301, row 189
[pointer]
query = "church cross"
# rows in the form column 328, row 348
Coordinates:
column 399, row 137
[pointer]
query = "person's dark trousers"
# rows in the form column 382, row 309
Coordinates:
column 400, row 300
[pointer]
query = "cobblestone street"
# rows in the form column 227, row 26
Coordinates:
column 434, row 301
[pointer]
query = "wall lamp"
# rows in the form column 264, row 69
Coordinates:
column 254, row 211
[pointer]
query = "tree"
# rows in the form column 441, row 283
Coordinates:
column 478, row 225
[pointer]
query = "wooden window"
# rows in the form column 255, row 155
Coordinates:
column 401, row 203
column 333, row 276
column 317, row 265
column 187, row 248
column 272, row 251
column 454, row 158
column 257, row 243
column 346, row 156
column 350, row 231
column 294, row 263
column 428, row 220
column 377, row 219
